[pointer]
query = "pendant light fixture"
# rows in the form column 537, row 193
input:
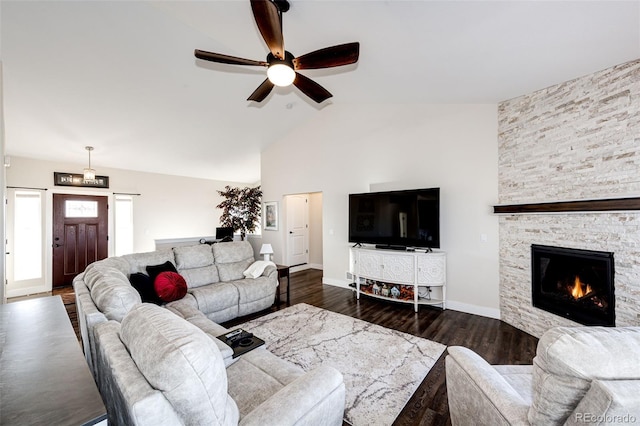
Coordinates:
column 89, row 173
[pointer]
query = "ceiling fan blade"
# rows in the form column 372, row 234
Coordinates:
column 334, row 56
column 269, row 22
column 226, row 59
column 261, row 92
column 311, row 88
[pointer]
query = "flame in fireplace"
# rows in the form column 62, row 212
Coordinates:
column 579, row 289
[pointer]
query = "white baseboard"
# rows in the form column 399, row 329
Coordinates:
column 27, row 291
column 473, row 309
column 304, row 267
column 298, row 268
column 336, row 282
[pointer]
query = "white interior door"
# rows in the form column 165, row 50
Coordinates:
column 25, row 243
column 297, row 220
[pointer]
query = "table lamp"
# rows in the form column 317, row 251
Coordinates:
column 266, row 250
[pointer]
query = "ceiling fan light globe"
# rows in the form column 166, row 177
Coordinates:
column 281, row 75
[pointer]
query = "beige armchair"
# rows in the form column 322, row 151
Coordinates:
column 580, row 375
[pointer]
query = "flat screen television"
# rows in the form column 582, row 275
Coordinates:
column 396, row 219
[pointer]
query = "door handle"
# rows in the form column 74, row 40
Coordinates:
column 57, row 245
column 291, row 232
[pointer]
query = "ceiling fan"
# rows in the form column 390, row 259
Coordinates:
column 282, row 66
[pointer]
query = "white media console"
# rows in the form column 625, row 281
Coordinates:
column 402, row 276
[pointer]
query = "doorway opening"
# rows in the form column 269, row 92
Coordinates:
column 303, row 231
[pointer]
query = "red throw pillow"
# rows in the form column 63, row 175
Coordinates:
column 170, row 286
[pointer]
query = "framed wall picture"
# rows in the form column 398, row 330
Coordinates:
column 270, row 216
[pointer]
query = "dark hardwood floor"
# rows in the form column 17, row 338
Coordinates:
column 495, row 341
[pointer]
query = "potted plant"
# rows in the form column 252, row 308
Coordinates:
column 240, row 208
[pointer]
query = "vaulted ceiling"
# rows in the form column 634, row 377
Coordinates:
column 121, row 75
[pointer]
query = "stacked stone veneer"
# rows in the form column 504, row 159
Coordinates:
column 574, row 141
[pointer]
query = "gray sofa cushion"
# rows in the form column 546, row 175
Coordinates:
column 195, row 264
column 100, row 269
column 196, row 256
column 256, row 376
column 198, row 277
column 232, row 259
column 113, row 295
column 255, row 294
column 179, row 359
column 608, row 402
column 219, row 302
column 138, row 262
column 212, row 329
column 569, row 358
column 110, row 262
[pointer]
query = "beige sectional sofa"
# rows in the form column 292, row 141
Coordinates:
column 214, row 277
column 138, row 352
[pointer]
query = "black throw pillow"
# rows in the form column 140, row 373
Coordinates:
column 155, row 270
column 144, row 285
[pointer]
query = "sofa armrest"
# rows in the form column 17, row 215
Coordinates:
column 128, row 396
column 318, row 397
column 88, row 317
column 477, row 391
column 608, row 401
column 200, row 320
column 270, row 271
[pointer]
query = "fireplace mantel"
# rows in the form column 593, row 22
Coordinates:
column 601, row 205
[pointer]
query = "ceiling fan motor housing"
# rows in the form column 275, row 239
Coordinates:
column 288, row 59
column 283, row 5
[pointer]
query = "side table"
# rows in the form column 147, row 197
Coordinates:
column 283, row 272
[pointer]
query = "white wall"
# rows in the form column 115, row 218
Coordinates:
column 315, row 230
column 168, row 206
column 2, row 185
column 348, row 149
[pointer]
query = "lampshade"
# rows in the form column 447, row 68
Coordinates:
column 266, row 250
column 89, row 173
column 281, row 74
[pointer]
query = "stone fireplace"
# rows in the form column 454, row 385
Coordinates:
column 577, row 140
column 573, row 283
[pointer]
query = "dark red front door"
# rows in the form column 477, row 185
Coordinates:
column 80, row 225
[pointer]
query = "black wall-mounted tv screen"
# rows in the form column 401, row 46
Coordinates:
column 397, row 219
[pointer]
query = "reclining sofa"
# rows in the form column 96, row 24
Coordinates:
column 580, row 375
column 164, row 365
column 214, row 275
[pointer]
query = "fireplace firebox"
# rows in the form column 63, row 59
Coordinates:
column 573, row 283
